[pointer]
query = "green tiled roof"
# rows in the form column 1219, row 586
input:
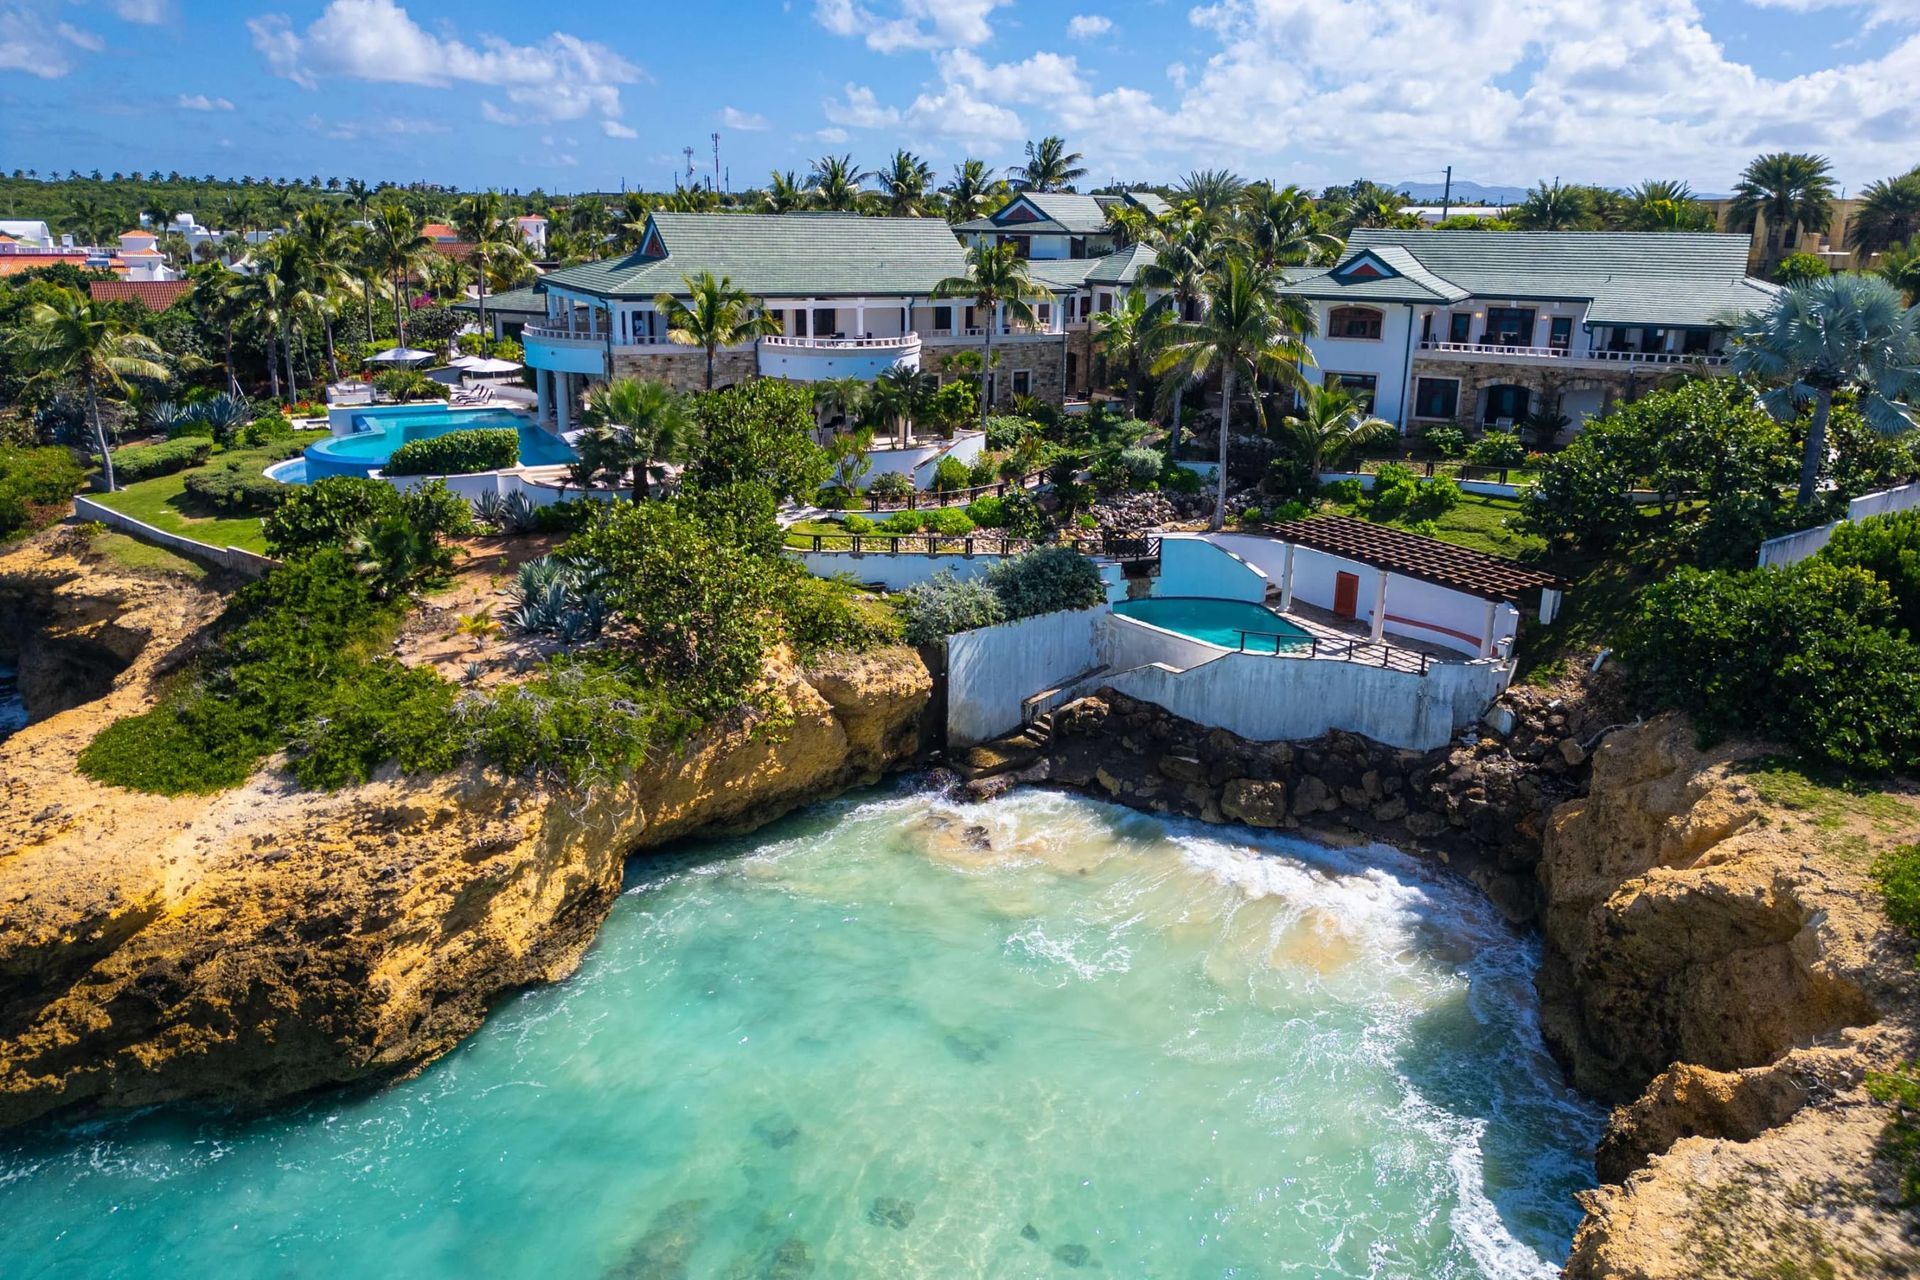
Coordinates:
column 1647, row 278
column 1043, row 227
column 1061, row 274
column 527, row 301
column 782, row 255
column 1121, row 267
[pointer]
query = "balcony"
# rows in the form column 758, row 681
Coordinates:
column 1565, row 355
column 818, row 359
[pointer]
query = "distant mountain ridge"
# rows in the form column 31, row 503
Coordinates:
column 1468, row 192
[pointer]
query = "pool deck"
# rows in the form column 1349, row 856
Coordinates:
column 1326, row 625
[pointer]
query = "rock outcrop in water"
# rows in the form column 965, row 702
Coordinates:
column 247, row 946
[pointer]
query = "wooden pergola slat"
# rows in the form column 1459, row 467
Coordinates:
column 1411, row 555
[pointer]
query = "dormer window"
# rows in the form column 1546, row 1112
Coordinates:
column 1354, row 322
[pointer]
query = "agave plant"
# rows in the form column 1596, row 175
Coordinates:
column 556, row 597
column 225, row 413
column 169, row 416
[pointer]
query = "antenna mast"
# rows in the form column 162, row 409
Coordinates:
column 716, row 161
column 688, row 152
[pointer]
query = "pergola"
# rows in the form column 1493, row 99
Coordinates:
column 1390, row 551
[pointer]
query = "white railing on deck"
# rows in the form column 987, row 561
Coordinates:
column 836, row 344
column 1707, row 359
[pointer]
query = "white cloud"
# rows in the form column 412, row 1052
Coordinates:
column 911, row 24
column 614, row 129
column 81, row 39
column 494, row 115
column 562, row 78
column 1085, row 26
column 377, row 128
column 146, row 12
column 201, row 102
column 860, row 110
column 831, row 134
column 748, row 121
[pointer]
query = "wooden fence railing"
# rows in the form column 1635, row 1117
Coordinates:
column 936, row 544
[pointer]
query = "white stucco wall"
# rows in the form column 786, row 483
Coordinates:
column 817, row 364
column 1192, row 565
column 990, row 672
column 1387, row 357
column 920, row 461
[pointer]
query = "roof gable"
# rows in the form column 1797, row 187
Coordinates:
column 1364, row 266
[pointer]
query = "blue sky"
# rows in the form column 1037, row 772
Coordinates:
column 578, row 96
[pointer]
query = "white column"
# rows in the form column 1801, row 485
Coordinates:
column 1486, row 635
column 1379, row 608
column 1549, row 605
column 860, row 318
column 999, row 321
column 543, row 390
column 563, row 403
column 1286, row 582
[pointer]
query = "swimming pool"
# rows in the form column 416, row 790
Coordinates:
column 1231, row 624
column 366, row 451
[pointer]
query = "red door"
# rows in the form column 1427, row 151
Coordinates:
column 1346, row 594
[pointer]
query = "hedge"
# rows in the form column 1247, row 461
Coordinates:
column 457, row 453
column 143, row 462
column 236, row 486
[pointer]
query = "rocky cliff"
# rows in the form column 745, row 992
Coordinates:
column 250, row 945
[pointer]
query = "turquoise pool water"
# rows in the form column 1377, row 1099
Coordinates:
column 363, row 452
column 1219, row 622
column 897, row 1037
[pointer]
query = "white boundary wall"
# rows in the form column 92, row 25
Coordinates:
column 1791, row 548
column 1193, row 565
column 990, row 672
column 897, row 572
column 239, row 559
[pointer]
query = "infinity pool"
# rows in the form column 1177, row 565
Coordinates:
column 1220, row 622
column 364, row 452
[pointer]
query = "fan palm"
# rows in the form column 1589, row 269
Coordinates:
column 1889, row 214
column 1329, row 425
column 996, row 278
column 972, row 191
column 904, row 183
column 398, row 248
column 1551, row 207
column 1049, row 167
column 715, row 315
column 482, row 222
column 69, row 336
column 836, row 183
column 653, row 422
column 1249, row 327
column 1899, row 266
column 1128, row 336
column 1839, row 333
column 1792, row 191
column 839, row 399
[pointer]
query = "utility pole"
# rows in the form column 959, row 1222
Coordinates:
column 688, row 153
column 716, row 161
column 1446, row 198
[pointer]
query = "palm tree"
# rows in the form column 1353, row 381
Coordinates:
column 288, row 290
column 716, row 315
column 328, row 257
column 160, row 214
column 1251, row 328
column 483, row 223
column 996, row 277
column 214, row 297
column 900, row 395
column 1282, row 228
column 904, row 183
column 1665, row 205
column 972, row 191
column 652, row 419
column 1129, row 336
column 784, row 193
column 836, row 183
column 92, row 221
column 1842, row 332
column 70, row 336
column 842, row 399
column 1049, row 167
column 1329, row 425
column 1889, row 214
column 1183, row 260
column 398, row 248
column 1899, row 266
column 1215, row 191
column 1551, row 207
column 1792, row 191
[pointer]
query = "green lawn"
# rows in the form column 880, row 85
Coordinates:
column 144, row 557
column 162, row 502
column 1477, row 523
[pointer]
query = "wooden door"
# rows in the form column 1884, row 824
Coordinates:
column 1346, row 594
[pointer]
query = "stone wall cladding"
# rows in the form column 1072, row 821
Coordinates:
column 1543, row 377
column 1045, row 359
column 685, row 369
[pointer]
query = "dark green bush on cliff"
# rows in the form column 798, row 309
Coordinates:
column 1889, row 548
column 457, row 453
column 33, row 480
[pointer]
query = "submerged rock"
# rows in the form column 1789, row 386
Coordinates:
column 662, row 1253
column 885, row 1211
column 1074, row 1255
column 777, row 1131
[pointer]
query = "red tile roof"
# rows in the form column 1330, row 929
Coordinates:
column 438, row 231
column 154, row 295
column 12, row 264
column 1414, row 556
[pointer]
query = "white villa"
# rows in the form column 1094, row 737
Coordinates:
column 1485, row 327
column 1056, row 224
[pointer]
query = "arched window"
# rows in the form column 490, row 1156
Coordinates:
column 1353, row 322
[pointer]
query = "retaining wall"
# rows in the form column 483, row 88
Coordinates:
column 238, row 559
column 1791, row 548
column 1193, row 565
column 990, row 672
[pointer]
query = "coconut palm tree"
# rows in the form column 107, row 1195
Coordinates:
column 1792, row 191
column 1840, row 333
column 70, row 336
column 1889, row 214
column 1283, row 228
column 1185, row 254
column 482, row 222
column 1129, row 336
column 836, row 183
column 900, row 395
column 1329, row 425
column 715, row 315
column 214, row 298
column 359, row 193
column 1551, row 207
column 784, row 194
column 1049, row 166
column 652, row 422
column 321, row 233
column 92, row 221
column 972, row 191
column 996, row 278
column 839, row 399
column 1214, row 191
column 904, row 184
column 1899, row 266
column 290, row 290
column 1660, row 204
column 398, row 248
column 1249, row 328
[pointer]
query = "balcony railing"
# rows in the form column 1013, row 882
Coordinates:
column 901, row 340
column 1601, row 356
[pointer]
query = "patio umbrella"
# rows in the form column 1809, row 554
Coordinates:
column 400, row 355
column 462, row 362
column 489, row 368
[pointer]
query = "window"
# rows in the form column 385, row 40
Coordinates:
column 1043, row 315
column 1353, row 322
column 1506, row 403
column 1436, row 398
column 1022, row 245
column 1560, row 333
column 1460, row 327
column 823, row 322
column 1023, row 382
column 799, row 323
column 942, row 319
column 1509, row 326
column 1106, row 302
column 1073, row 369
column 1360, row 386
column 1696, row 342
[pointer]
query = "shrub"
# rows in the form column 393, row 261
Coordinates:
column 581, row 719
column 1020, row 515
column 1434, row 497
column 236, row 486
column 890, row 487
column 457, row 453
column 1177, row 479
column 1394, row 491
column 1447, row 441
column 1898, row 874
column 761, row 433
column 326, row 513
column 1345, row 492
column 1044, row 580
column 902, row 522
column 946, row 605
column 1004, row 431
column 948, row 522
column 984, row 471
column 833, row 613
column 567, row 515
column 951, row 474
column 30, row 478
column 191, row 429
column 143, row 462
column 987, row 512
column 386, row 712
column 1288, row 511
column 1142, row 467
column 272, row 426
column 1888, row 547
column 409, row 384
column 1497, row 449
